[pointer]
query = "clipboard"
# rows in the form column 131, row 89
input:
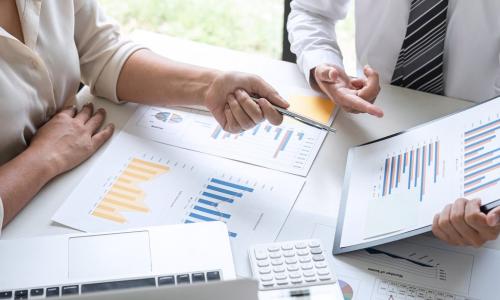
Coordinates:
column 337, row 248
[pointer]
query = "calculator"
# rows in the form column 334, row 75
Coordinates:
column 292, row 265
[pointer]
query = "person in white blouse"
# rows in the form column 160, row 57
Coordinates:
column 47, row 47
column 447, row 47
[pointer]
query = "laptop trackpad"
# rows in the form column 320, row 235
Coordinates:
column 109, row 255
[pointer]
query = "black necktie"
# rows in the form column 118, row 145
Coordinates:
column 420, row 62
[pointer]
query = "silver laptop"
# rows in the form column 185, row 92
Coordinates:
column 154, row 258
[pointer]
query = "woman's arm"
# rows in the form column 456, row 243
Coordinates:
column 61, row 144
column 149, row 78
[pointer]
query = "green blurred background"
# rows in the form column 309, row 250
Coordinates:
column 247, row 25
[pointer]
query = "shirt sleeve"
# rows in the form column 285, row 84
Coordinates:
column 102, row 50
column 311, row 31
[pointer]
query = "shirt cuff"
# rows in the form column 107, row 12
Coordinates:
column 108, row 79
column 313, row 58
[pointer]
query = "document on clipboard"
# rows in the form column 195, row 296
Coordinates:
column 394, row 186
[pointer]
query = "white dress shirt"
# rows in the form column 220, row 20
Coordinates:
column 65, row 42
column 472, row 45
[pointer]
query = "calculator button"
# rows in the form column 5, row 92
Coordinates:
column 265, row 271
column 263, row 263
column 300, row 245
column 292, row 268
column 267, row 284
column 302, row 252
column 325, row 278
column 279, row 269
column 314, row 244
column 280, row 276
column 296, row 280
column 323, row 272
column 309, row 273
column 307, row 267
column 277, row 262
column 291, row 261
column 282, row 282
column 260, row 254
column 315, row 251
column 287, row 246
column 288, row 254
column 310, row 279
column 6, row 295
column 275, row 255
column 321, row 265
column 273, row 248
column 305, row 259
column 319, row 257
column 266, row 278
column 294, row 275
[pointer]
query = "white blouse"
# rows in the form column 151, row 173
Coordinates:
column 66, row 42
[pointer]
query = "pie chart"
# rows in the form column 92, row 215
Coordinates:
column 347, row 290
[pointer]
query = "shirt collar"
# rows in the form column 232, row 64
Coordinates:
column 29, row 14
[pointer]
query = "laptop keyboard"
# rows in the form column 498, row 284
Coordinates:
column 84, row 288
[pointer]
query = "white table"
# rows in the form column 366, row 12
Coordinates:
column 403, row 109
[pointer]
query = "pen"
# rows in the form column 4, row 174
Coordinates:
column 300, row 118
column 490, row 206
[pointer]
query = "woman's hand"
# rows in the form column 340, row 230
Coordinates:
column 69, row 138
column 463, row 224
column 228, row 98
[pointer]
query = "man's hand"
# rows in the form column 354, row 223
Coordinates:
column 463, row 224
column 355, row 95
column 228, row 98
column 69, row 138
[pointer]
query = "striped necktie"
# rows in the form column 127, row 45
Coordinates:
column 420, row 62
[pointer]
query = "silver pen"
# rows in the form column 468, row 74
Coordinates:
column 301, row 118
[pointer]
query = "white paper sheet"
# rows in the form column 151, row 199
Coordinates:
column 417, row 268
column 138, row 183
column 400, row 183
column 290, row 147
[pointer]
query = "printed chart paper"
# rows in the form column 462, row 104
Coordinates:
column 398, row 184
column 139, row 183
column 290, row 147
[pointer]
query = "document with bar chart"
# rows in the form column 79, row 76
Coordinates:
column 397, row 184
column 138, row 182
column 291, row 147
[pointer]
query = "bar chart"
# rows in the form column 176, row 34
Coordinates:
column 125, row 194
column 481, row 158
column 414, row 169
column 290, row 147
column 215, row 201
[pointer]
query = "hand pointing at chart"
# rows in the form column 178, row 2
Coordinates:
column 463, row 224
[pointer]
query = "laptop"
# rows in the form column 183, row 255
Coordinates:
column 154, row 257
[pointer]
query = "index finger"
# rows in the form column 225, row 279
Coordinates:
column 370, row 91
column 265, row 90
column 474, row 217
column 361, row 105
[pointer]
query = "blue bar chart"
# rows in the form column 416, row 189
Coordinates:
column 481, row 158
column 414, row 169
column 215, row 202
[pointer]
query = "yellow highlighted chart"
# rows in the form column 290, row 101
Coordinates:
column 125, row 195
column 317, row 108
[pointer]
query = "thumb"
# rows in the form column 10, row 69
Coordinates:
column 326, row 73
column 493, row 217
